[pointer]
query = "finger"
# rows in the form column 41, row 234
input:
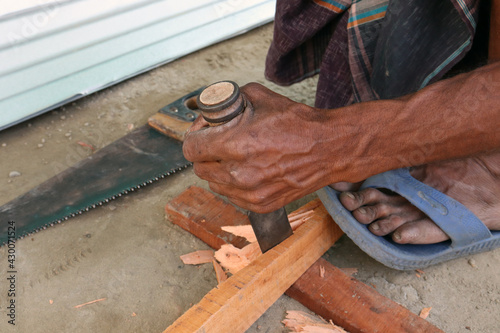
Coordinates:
column 212, row 172
column 262, row 200
column 200, row 144
column 264, row 207
column 198, row 124
column 257, row 94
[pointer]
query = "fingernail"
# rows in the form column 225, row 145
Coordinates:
column 396, row 236
column 362, row 210
column 375, row 226
column 350, row 195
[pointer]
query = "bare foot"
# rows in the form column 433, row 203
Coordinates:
column 474, row 182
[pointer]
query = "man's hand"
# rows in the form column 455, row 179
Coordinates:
column 268, row 156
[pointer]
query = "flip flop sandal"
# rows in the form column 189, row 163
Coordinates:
column 468, row 235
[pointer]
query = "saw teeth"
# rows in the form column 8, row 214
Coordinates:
column 100, row 203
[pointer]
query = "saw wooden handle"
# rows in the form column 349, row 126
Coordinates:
column 172, row 127
column 176, row 118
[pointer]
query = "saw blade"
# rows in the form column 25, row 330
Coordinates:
column 137, row 159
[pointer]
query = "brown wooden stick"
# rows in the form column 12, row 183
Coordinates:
column 238, row 302
column 352, row 304
column 203, row 214
column 329, row 296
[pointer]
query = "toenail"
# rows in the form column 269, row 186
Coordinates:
column 350, row 195
column 362, row 210
column 375, row 226
column 397, row 236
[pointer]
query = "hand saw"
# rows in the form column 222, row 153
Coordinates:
column 137, row 159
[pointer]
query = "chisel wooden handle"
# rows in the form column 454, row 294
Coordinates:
column 219, row 103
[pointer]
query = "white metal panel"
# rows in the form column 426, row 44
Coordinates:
column 76, row 54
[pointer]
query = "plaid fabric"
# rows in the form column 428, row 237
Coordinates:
column 368, row 49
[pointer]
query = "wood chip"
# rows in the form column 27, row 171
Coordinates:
column 219, row 272
column 87, row 145
column 419, row 271
column 198, row 257
column 91, row 302
column 234, row 259
column 321, row 271
column 298, row 321
column 244, row 231
column 425, row 312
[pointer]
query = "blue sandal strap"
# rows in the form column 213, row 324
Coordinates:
column 460, row 224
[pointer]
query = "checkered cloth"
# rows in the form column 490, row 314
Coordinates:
column 369, row 49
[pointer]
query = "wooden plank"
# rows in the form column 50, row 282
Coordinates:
column 329, row 297
column 352, row 304
column 203, row 214
column 239, row 301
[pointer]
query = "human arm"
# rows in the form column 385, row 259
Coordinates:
column 278, row 150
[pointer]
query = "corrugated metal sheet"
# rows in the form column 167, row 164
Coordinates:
column 55, row 53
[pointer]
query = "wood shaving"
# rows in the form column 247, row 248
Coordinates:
column 246, row 231
column 298, row 321
column 197, row 257
column 321, row 271
column 219, row 272
column 425, row 312
column 234, row 259
column 91, row 302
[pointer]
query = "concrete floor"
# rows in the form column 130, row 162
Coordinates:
column 128, row 253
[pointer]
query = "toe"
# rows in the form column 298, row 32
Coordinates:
column 422, row 231
column 387, row 225
column 368, row 214
column 354, row 200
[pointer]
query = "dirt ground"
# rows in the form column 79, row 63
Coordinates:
column 128, row 253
